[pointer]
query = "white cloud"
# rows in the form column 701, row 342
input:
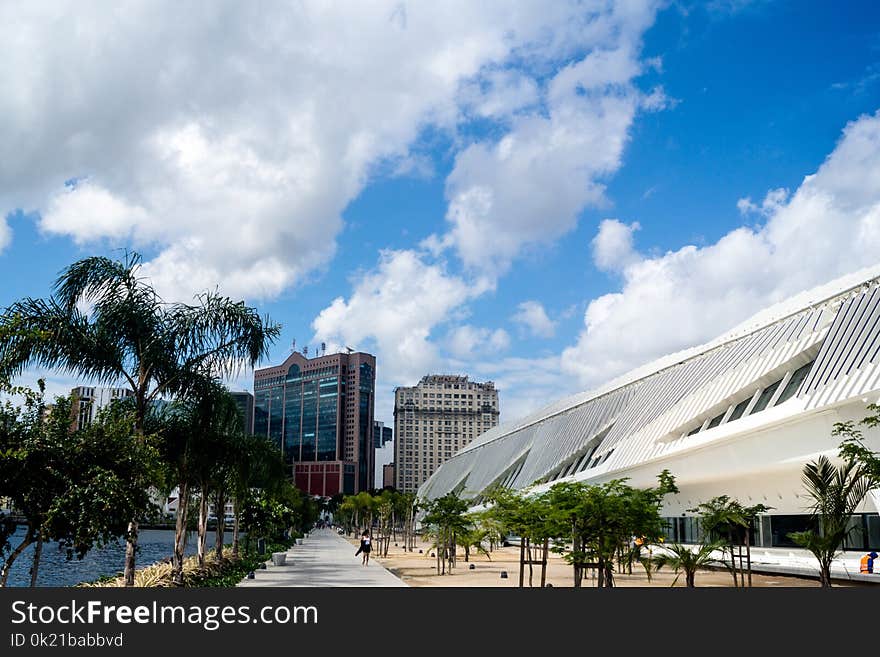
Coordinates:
column 233, row 135
column 613, row 245
column 772, row 202
column 830, row 226
column 394, row 311
column 524, row 384
column 5, row 234
column 470, row 342
column 527, row 187
column 531, row 314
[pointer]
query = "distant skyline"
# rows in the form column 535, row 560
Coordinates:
column 544, row 195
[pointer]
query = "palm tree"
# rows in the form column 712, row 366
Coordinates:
column 836, row 492
column 106, row 324
column 682, row 559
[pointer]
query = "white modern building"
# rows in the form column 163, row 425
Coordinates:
column 738, row 416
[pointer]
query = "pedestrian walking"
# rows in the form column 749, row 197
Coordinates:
column 365, row 547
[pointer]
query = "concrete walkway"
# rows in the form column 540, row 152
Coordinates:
column 324, row 559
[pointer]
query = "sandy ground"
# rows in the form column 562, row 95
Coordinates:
column 420, row 570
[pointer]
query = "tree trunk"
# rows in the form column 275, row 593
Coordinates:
column 219, row 508
column 544, row 563
column 749, row 554
column 732, row 559
column 689, row 577
column 38, row 552
column 131, row 540
column 531, row 570
column 601, row 567
column 609, row 575
column 522, row 561
column 7, row 565
column 203, row 526
column 825, row 573
column 235, row 510
column 180, row 533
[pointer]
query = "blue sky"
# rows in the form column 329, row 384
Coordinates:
column 544, row 197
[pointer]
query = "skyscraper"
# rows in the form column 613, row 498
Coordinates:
column 86, row 401
column 319, row 411
column 245, row 402
column 435, row 419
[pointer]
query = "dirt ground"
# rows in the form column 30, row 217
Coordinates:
column 420, row 570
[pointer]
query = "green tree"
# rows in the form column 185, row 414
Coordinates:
column 725, row 518
column 128, row 333
column 836, row 492
column 853, row 448
column 76, row 487
column 527, row 517
column 445, row 518
column 684, row 559
column 592, row 523
column 258, row 465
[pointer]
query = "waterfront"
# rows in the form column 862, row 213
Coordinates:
column 57, row 570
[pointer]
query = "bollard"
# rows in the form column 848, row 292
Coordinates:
column 251, row 575
column 503, row 574
column 471, row 567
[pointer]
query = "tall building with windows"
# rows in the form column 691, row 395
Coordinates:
column 245, row 402
column 382, row 435
column 435, row 419
column 87, row 401
column 319, row 412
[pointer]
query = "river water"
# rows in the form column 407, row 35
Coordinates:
column 56, row 570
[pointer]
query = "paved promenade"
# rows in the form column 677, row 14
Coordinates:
column 324, row 559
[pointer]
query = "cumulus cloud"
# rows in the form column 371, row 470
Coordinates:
column 528, row 186
column 613, row 245
column 474, row 342
column 829, row 226
column 393, row 310
column 235, row 134
column 772, row 202
column 5, row 234
column 532, row 316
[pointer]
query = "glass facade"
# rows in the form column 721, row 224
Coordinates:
column 261, row 413
column 773, row 531
column 328, row 413
column 276, row 414
column 365, row 423
column 293, row 414
column 309, row 419
column 306, row 413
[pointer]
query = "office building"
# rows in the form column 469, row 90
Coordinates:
column 87, row 401
column 435, row 419
column 388, row 475
column 245, row 402
column 319, row 412
column 382, row 435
